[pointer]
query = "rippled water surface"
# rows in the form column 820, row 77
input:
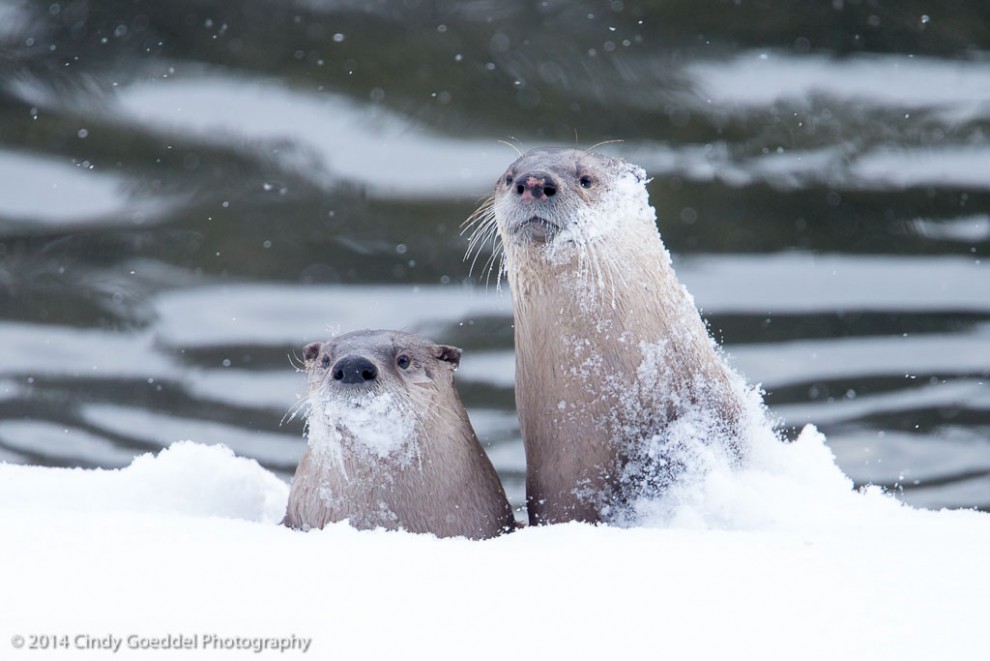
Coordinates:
column 192, row 190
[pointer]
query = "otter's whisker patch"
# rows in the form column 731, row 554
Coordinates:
column 300, row 406
column 483, row 231
column 513, row 147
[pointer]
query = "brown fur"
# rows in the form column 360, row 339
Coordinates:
column 440, row 482
column 610, row 349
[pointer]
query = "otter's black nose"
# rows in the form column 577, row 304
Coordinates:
column 537, row 185
column 354, row 369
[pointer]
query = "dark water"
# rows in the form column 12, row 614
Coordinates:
column 192, row 190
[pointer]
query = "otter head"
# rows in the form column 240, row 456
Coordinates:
column 552, row 198
column 376, row 387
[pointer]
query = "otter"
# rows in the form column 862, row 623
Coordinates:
column 390, row 444
column 619, row 387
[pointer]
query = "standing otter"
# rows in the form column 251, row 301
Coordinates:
column 390, row 444
column 619, row 387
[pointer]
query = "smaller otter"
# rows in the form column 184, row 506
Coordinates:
column 390, row 444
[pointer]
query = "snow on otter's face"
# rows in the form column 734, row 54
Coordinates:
column 369, row 392
column 380, row 423
column 565, row 198
column 557, row 205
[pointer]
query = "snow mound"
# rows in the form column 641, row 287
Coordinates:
column 778, row 559
column 782, row 487
column 187, row 479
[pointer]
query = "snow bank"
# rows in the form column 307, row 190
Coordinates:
column 185, row 479
column 782, row 559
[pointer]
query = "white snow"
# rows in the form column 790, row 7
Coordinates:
column 380, row 423
column 780, row 560
column 185, row 480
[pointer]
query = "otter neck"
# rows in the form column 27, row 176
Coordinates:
column 591, row 324
column 596, row 304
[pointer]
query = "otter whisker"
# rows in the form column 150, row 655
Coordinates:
column 591, row 274
column 489, row 267
column 484, row 230
column 602, row 144
column 478, row 245
column 512, row 146
column 479, row 233
column 295, row 409
column 610, row 268
column 297, row 363
column 483, row 216
column 484, row 212
column 596, row 275
column 502, row 268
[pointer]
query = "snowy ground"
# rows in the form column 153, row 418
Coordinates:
column 782, row 560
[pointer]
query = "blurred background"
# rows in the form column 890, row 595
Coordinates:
column 192, row 190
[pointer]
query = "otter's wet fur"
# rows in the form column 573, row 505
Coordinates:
column 390, row 443
column 619, row 387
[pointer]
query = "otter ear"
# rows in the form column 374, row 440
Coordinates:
column 311, row 351
column 448, row 354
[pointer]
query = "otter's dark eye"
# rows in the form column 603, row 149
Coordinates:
column 403, row 361
column 508, row 179
column 585, row 181
column 326, row 361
